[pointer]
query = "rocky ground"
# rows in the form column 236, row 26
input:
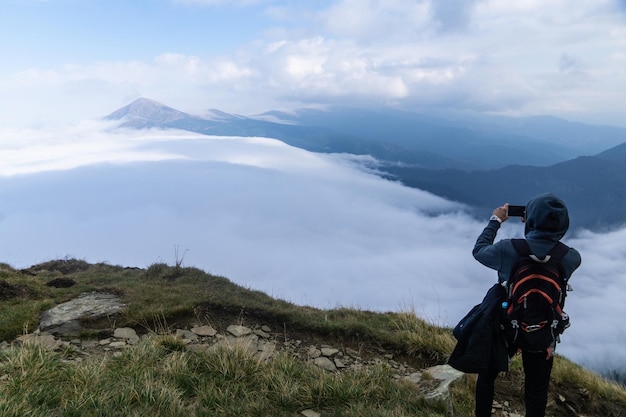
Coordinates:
column 263, row 337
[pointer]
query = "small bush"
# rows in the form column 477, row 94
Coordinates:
column 64, row 266
column 157, row 271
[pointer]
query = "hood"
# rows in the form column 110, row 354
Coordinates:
column 546, row 218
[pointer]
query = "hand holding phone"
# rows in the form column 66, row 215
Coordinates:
column 516, row 211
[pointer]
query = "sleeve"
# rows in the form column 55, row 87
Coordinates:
column 485, row 251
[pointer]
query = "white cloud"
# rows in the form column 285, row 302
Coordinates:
column 378, row 21
column 515, row 58
column 27, row 151
column 452, row 15
column 596, row 305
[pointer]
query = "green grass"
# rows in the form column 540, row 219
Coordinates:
column 160, row 377
column 150, row 379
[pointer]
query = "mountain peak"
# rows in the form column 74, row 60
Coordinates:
column 144, row 112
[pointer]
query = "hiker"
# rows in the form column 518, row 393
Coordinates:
column 546, row 221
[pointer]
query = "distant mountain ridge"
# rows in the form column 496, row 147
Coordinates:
column 487, row 141
column 145, row 113
column 594, row 187
column 477, row 162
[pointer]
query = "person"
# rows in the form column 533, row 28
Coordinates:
column 546, row 221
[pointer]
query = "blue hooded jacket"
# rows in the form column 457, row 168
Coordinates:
column 546, row 222
column 480, row 346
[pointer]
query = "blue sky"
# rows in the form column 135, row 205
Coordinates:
column 64, row 60
column 49, row 34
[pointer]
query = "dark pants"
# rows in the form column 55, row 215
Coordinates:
column 536, row 380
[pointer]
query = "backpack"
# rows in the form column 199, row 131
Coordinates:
column 534, row 317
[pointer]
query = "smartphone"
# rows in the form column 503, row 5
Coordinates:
column 516, row 211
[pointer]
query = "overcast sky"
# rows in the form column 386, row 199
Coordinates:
column 64, row 60
column 314, row 229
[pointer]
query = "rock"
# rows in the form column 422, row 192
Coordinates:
column 265, row 350
column 325, row 363
column 89, row 344
column 415, row 378
column 339, row 363
column 69, row 328
column 328, row 352
column 261, row 333
column 238, row 331
column 204, row 331
column 314, row 352
column 187, row 335
column 199, row 348
column 352, row 352
column 126, row 333
column 46, row 340
column 446, row 374
column 443, row 376
column 310, row 413
column 250, row 342
column 64, row 318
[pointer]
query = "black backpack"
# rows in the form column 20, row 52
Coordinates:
column 534, row 316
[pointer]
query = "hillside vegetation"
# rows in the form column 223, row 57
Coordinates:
column 161, row 377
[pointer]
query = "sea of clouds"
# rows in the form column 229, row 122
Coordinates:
column 314, row 229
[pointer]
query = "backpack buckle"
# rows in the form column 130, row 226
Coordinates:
column 528, row 328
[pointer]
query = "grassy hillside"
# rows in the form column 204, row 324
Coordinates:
column 160, row 376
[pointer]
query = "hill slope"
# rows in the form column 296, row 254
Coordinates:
column 163, row 297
